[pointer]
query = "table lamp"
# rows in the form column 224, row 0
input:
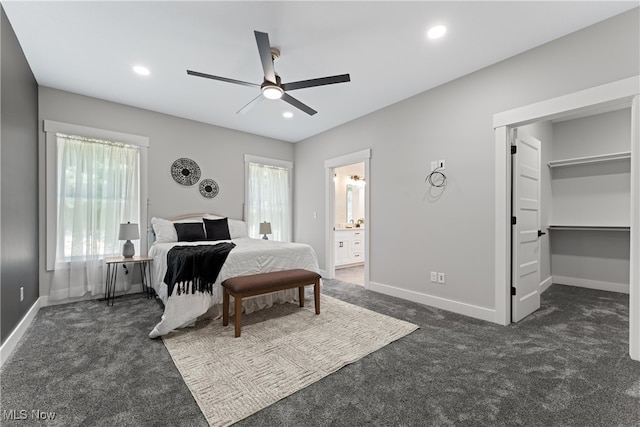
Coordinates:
column 128, row 232
column 265, row 228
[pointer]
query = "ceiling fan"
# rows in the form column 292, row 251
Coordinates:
column 272, row 87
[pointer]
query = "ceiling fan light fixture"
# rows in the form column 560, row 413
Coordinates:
column 272, row 92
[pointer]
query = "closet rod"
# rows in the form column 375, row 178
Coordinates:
column 590, row 227
column 590, row 159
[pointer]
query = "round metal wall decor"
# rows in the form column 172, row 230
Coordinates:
column 209, row 188
column 185, row 172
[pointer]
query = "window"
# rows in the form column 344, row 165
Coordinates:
column 95, row 180
column 268, row 196
column 98, row 184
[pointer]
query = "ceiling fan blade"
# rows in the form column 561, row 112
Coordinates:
column 255, row 101
column 299, row 105
column 222, row 79
column 342, row 78
column 264, row 48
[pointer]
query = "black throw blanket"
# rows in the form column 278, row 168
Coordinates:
column 197, row 266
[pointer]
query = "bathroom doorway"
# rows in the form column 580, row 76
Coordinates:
column 348, row 217
column 349, row 222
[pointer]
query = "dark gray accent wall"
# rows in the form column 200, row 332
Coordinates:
column 19, row 180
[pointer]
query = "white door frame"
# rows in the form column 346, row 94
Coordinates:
column 624, row 92
column 363, row 156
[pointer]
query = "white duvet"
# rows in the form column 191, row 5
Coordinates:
column 250, row 256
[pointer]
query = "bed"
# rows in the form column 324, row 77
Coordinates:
column 249, row 256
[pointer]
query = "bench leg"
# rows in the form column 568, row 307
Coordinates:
column 301, row 295
column 316, row 295
column 238, row 314
column 225, row 307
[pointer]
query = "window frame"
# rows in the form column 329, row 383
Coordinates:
column 51, row 129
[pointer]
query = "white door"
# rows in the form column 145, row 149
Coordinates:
column 525, row 246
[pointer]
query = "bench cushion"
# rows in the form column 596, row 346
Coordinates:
column 264, row 281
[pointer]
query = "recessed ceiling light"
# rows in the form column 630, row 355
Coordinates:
column 287, row 114
column 436, row 32
column 143, row 71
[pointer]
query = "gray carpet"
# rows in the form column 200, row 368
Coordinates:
column 567, row 365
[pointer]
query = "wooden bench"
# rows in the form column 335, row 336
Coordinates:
column 258, row 284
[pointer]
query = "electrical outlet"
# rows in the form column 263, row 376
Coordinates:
column 434, row 165
column 441, row 164
column 441, row 278
column 434, row 277
column 21, row 293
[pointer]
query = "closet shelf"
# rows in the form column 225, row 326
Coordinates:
column 590, row 227
column 590, row 159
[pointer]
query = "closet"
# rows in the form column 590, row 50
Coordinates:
column 589, row 179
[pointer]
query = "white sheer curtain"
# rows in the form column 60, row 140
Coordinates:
column 269, row 199
column 98, row 188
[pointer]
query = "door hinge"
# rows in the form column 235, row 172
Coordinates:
column 513, row 290
column 513, row 220
column 514, row 149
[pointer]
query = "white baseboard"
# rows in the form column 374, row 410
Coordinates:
column 592, row 284
column 544, row 285
column 12, row 340
column 465, row 309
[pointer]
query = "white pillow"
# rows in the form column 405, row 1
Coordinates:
column 238, row 229
column 164, row 230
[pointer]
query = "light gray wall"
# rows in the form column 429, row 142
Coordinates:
column 410, row 235
column 594, row 256
column 218, row 151
column 593, row 135
column 19, row 177
column 597, row 193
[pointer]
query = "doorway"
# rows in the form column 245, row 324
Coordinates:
column 348, row 218
column 616, row 95
column 349, row 222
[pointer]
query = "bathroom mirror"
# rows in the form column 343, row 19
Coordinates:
column 355, row 204
column 350, row 219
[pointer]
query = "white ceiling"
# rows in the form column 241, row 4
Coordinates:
column 90, row 47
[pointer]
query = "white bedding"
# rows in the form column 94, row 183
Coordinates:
column 250, row 256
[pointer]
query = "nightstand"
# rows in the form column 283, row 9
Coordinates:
column 112, row 274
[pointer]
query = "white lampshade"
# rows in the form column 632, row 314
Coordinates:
column 129, row 231
column 265, row 228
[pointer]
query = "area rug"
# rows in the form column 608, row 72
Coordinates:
column 281, row 350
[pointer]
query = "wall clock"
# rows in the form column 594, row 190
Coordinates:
column 209, row 188
column 185, row 172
